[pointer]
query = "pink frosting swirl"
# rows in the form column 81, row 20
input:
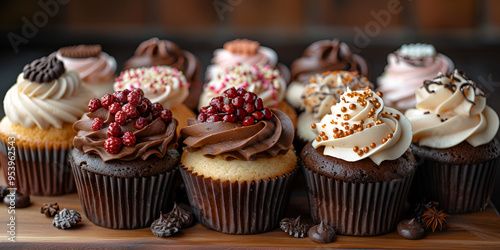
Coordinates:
column 91, row 69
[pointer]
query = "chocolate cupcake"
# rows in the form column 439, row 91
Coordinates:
column 125, row 160
column 156, row 52
column 359, row 169
column 37, row 129
column 454, row 137
column 238, row 167
column 321, row 56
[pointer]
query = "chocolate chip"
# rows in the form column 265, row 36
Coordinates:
column 322, row 233
column 411, row 229
column 294, row 227
column 16, row 199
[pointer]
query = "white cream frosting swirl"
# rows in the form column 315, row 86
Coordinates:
column 46, row 104
column 92, row 70
column 264, row 81
column 360, row 127
column 406, row 70
column 162, row 84
column 451, row 109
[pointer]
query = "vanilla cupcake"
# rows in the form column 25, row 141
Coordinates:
column 40, row 110
column 321, row 56
column 264, row 81
column 95, row 67
column 243, row 51
column 163, row 84
column 407, row 69
column 454, row 136
column 320, row 93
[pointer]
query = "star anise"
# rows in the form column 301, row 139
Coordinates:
column 49, row 209
column 434, row 218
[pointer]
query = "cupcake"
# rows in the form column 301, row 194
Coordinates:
column 454, row 137
column 407, row 69
column 156, row 52
column 320, row 93
column 321, row 56
column 359, row 169
column 125, row 160
column 263, row 81
column 40, row 110
column 238, row 167
column 163, row 84
column 243, row 51
column 95, row 67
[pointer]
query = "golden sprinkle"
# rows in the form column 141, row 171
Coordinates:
column 372, row 110
column 360, row 153
column 324, row 138
column 368, row 125
column 346, row 127
column 368, row 88
column 361, row 122
column 396, row 116
column 360, row 129
column 335, row 130
column 322, row 133
column 343, row 109
column 350, row 131
column 318, row 139
column 366, row 149
column 346, row 117
column 380, row 94
column 374, row 99
column 323, row 126
column 377, row 104
column 355, row 149
column 370, row 114
column 352, row 106
column 335, row 136
column 354, row 126
column 312, row 79
column 373, row 145
column 333, row 146
column 389, row 135
column 339, row 115
column 384, row 140
column 313, row 125
column 378, row 122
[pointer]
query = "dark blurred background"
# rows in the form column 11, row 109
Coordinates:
column 468, row 31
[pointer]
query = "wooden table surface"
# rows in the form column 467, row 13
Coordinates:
column 34, row 230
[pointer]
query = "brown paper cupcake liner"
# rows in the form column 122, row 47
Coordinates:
column 123, row 203
column 360, row 209
column 39, row 171
column 457, row 188
column 238, row 207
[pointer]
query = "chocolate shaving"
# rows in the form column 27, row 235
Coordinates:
column 165, row 226
column 45, row 69
column 66, row 219
column 185, row 217
column 294, row 227
column 81, row 51
column 49, row 209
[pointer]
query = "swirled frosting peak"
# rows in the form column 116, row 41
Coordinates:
column 162, row 84
column 45, row 69
column 48, row 104
column 406, row 70
column 360, row 126
column 451, row 109
column 264, row 81
column 125, row 126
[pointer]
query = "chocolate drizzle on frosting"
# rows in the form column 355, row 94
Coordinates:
column 45, row 69
column 81, row 51
column 457, row 76
column 265, row 139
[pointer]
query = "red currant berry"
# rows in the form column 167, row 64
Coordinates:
column 249, row 108
column 134, row 97
column 258, row 115
column 97, row 123
column 231, row 92
column 241, row 92
column 212, row 110
column 240, row 113
column 130, row 110
column 148, row 102
column 204, row 109
column 115, row 107
column 249, row 97
column 238, row 102
column 202, row 117
column 107, row 100
column 94, row 104
column 120, row 96
column 216, row 103
column 214, row 118
column 140, row 123
column 114, row 129
column 143, row 107
column 249, row 120
column 128, row 139
column 157, row 106
column 228, row 108
column 120, row 117
column 259, row 105
column 166, row 115
column 113, row 145
column 126, row 91
column 139, row 91
column 267, row 114
column 230, row 118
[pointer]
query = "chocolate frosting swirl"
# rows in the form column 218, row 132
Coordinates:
column 156, row 52
column 327, row 55
column 45, row 69
column 154, row 139
column 265, row 139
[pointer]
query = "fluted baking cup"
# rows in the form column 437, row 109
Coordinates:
column 39, row 171
column 360, row 209
column 123, row 203
column 238, row 207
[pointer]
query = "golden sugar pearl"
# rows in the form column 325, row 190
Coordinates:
column 352, row 106
column 355, row 149
column 323, row 126
column 377, row 105
column 373, row 145
column 343, row 109
column 339, row 115
column 346, row 117
column 346, row 127
column 370, row 114
column 372, row 110
column 322, row 133
column 354, row 126
column 333, row 146
column 366, row 149
column 389, row 135
column 370, row 94
column 384, row 140
column 374, row 99
column 360, row 129
column 313, row 125
column 360, row 153
column 380, row 94
column 324, row 138
column 368, row 125
column 335, row 136
column 368, row 88
column 363, row 103
column 335, row 130
column 378, row 122
column 361, row 122
column 396, row 116
column 350, row 131
column 318, row 139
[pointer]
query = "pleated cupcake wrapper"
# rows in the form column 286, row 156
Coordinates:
column 457, row 188
column 39, row 171
column 360, row 209
column 123, row 203
column 238, row 207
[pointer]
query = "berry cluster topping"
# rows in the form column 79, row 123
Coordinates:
column 127, row 107
column 235, row 105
